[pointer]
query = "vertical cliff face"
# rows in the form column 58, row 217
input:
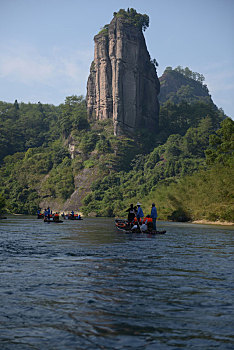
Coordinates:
column 123, row 83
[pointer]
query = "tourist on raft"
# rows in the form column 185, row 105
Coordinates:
column 39, row 213
column 149, row 222
column 140, row 213
column 131, row 213
column 56, row 217
column 154, row 215
column 144, row 227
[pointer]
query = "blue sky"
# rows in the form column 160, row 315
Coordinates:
column 47, row 46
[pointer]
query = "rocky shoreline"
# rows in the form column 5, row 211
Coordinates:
column 207, row 222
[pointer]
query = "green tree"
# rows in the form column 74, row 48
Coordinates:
column 103, row 145
column 131, row 16
column 196, row 140
column 2, row 203
column 74, row 116
column 222, row 144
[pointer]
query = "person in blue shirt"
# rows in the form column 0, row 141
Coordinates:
column 38, row 213
column 140, row 213
column 154, row 215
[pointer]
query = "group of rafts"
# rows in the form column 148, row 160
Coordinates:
column 48, row 216
column 124, row 225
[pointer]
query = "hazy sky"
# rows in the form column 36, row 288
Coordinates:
column 47, row 46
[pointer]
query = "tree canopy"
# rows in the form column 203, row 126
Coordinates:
column 131, row 16
column 221, row 150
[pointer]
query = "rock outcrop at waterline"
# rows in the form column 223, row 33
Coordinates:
column 123, row 84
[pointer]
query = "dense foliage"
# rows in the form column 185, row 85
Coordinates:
column 37, row 163
column 180, row 156
column 208, row 193
column 48, row 152
column 179, row 117
column 189, row 74
column 182, row 85
column 2, row 203
column 25, row 126
column 132, row 17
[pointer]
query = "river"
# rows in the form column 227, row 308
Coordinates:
column 83, row 285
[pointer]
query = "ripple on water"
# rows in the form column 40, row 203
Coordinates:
column 85, row 286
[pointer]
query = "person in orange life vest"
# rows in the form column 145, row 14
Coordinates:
column 135, row 224
column 149, row 222
column 145, row 223
column 134, row 221
column 56, row 216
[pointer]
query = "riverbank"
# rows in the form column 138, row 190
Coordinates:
column 206, row 222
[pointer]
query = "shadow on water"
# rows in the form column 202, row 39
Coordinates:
column 83, row 285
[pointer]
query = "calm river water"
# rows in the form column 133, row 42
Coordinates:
column 83, row 285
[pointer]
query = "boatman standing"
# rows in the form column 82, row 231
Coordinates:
column 154, row 215
column 139, row 212
column 38, row 213
column 131, row 213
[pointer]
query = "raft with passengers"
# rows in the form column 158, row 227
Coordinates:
column 49, row 216
column 137, row 223
column 72, row 216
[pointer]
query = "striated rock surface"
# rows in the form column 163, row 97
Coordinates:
column 123, row 83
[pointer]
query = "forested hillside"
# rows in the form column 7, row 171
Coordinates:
column 53, row 156
column 181, row 84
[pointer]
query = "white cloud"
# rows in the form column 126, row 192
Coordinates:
column 55, row 68
column 26, row 69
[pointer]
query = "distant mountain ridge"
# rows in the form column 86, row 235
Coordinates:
column 182, row 85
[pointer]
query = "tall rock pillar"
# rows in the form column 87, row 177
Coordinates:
column 123, row 83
